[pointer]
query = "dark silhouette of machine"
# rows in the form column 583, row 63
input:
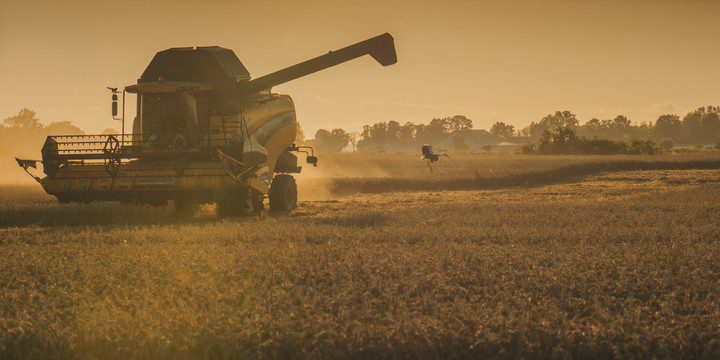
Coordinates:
column 204, row 132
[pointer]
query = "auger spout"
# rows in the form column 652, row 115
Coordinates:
column 381, row 48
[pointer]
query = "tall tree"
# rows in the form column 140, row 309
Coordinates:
column 561, row 141
column 446, row 125
column 63, row 128
column 561, row 119
column 621, row 122
column 458, row 122
column 502, row 130
column 436, row 127
column 393, row 133
column 668, row 126
column 621, row 128
column 354, row 137
column 25, row 120
column 378, row 136
column 342, row 139
column 407, row 132
column 702, row 125
column 331, row 141
column 300, row 135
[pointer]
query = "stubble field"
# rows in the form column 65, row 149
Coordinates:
column 499, row 256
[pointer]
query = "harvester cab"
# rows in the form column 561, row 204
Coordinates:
column 204, row 131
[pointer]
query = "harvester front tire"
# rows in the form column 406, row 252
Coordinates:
column 185, row 207
column 283, row 193
column 258, row 205
column 237, row 203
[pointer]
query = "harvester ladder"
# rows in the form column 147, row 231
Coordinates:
column 224, row 130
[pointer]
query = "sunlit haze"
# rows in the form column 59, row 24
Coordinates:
column 539, row 179
column 509, row 61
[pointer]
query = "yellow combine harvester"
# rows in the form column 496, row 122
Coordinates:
column 204, row 132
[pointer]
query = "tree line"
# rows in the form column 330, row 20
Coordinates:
column 388, row 136
column 26, row 123
column 698, row 127
column 564, row 140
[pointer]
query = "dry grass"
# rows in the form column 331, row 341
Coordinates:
column 471, row 172
column 23, row 205
column 621, row 264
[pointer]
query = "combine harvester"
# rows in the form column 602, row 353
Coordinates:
column 204, row 132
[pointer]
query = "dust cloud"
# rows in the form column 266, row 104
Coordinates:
column 23, row 136
column 23, row 147
column 315, row 183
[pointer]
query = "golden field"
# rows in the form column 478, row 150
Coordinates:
column 499, row 256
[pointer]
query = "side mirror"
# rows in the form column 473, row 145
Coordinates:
column 114, row 105
column 312, row 160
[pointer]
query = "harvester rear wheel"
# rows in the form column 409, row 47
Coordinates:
column 283, row 193
column 237, row 203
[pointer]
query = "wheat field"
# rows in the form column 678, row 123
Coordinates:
column 607, row 257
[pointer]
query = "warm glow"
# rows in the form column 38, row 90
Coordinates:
column 510, row 61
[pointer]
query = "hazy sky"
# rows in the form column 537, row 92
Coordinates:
column 511, row 61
